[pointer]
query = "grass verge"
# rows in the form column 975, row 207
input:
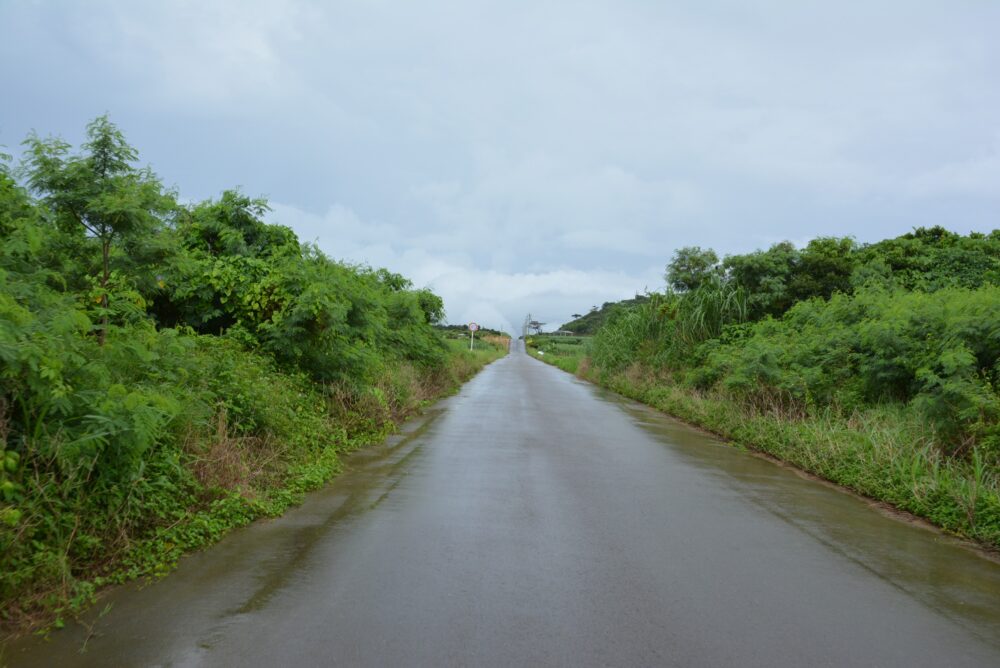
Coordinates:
column 564, row 352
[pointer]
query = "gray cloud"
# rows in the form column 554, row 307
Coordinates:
column 538, row 156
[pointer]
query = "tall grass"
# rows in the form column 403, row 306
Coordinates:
column 633, row 333
column 564, row 352
column 702, row 313
column 668, row 327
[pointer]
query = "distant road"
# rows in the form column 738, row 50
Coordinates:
column 535, row 520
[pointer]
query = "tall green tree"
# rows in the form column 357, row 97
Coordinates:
column 15, row 204
column 766, row 275
column 690, row 267
column 825, row 266
column 99, row 192
column 932, row 258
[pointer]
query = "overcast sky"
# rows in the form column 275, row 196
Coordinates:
column 536, row 156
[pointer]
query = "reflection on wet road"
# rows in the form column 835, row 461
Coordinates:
column 534, row 519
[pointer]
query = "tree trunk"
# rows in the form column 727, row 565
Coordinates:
column 105, row 256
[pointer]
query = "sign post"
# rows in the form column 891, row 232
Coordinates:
column 472, row 333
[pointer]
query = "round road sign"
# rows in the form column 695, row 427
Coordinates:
column 473, row 327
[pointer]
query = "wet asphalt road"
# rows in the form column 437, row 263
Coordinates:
column 536, row 520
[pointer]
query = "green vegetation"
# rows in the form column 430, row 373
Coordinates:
column 877, row 367
column 589, row 323
column 565, row 352
column 459, row 331
column 170, row 371
column 485, row 351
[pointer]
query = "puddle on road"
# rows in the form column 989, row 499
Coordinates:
column 948, row 575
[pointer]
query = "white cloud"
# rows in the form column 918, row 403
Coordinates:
column 536, row 151
column 975, row 176
column 471, row 292
column 198, row 56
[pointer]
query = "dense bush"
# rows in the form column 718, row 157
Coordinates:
column 169, row 370
column 833, row 325
column 876, row 366
column 935, row 351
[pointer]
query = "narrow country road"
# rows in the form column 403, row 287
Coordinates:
column 536, row 520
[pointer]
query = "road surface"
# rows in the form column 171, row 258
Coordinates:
column 536, row 520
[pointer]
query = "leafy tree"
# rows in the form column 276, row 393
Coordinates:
column 932, row 258
column 15, row 203
column 782, row 275
column 824, row 267
column 98, row 192
column 431, row 305
column 234, row 226
column 394, row 282
column 766, row 276
column 690, row 267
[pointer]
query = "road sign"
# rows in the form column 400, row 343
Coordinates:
column 472, row 334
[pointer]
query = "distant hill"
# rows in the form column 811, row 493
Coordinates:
column 464, row 330
column 590, row 323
